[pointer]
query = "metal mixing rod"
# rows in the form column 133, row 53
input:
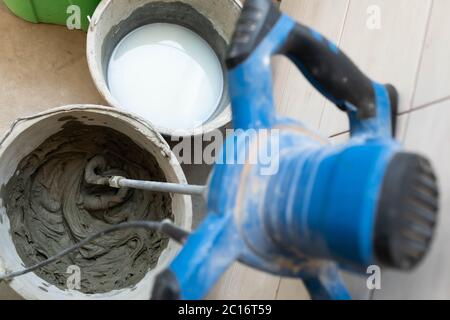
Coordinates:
column 98, row 164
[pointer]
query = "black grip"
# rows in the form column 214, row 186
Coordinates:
column 331, row 71
column 166, row 287
column 256, row 21
column 174, row 232
column 407, row 213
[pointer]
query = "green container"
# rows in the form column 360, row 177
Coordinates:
column 52, row 11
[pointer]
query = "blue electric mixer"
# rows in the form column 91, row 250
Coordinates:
column 367, row 202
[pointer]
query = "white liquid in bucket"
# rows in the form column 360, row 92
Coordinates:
column 167, row 74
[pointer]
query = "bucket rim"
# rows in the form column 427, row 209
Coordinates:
column 222, row 119
column 185, row 209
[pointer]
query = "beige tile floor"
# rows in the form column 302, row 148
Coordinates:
column 44, row 66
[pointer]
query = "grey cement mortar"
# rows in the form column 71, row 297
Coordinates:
column 50, row 207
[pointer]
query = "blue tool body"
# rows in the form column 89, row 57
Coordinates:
column 315, row 208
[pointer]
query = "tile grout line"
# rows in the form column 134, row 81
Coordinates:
column 286, row 76
column 341, row 35
column 404, row 113
column 277, row 291
column 338, row 134
column 426, row 105
column 341, row 32
column 419, row 66
column 420, row 62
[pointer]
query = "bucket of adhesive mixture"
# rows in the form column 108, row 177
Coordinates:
column 46, row 204
column 164, row 60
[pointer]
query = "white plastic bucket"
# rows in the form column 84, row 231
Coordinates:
column 213, row 20
column 26, row 134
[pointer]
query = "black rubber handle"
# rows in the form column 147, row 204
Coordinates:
column 257, row 19
column 166, row 287
column 174, row 232
column 328, row 69
column 331, row 71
